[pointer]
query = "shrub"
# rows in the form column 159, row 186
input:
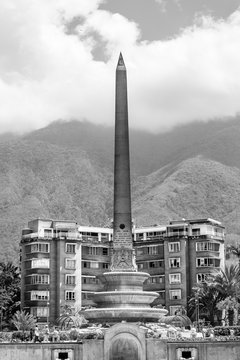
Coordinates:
column 64, row 336
column 73, row 335
column 225, row 330
column 5, row 336
column 17, row 336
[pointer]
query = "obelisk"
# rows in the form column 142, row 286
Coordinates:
column 123, row 297
column 123, row 258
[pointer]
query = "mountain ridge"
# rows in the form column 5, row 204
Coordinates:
column 65, row 171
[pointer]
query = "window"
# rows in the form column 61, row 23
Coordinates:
column 152, row 250
column 208, row 262
column 70, row 264
column 218, row 231
column 93, row 251
column 105, row 251
column 174, row 262
column 140, row 266
column 39, row 295
column 175, row 294
column 40, row 263
column 39, row 311
column 174, row 278
column 89, row 280
column 105, row 265
column 156, row 280
column 94, row 265
column 155, row 264
column 70, row 279
column 174, row 247
column 69, row 295
column 202, row 277
column 48, row 233
column 195, row 232
column 177, row 232
column 207, row 246
column 40, row 247
column 70, row 248
column 91, row 265
column 148, row 250
column 40, row 279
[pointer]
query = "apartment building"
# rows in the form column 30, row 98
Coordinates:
column 60, row 262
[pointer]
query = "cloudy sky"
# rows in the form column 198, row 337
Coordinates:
column 58, row 59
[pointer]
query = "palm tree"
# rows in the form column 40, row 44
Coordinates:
column 71, row 317
column 23, row 321
column 204, row 300
column 227, row 282
column 235, row 250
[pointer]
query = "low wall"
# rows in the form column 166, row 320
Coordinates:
column 156, row 349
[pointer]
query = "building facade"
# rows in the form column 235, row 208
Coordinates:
column 60, row 261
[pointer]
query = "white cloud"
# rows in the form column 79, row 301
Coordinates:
column 46, row 74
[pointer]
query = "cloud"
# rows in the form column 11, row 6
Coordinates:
column 48, row 72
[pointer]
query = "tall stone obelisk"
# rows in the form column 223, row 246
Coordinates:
column 123, row 258
column 123, row 297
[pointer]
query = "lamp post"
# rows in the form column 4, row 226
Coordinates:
column 197, row 309
column 47, row 311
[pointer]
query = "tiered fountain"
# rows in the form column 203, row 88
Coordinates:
column 123, row 297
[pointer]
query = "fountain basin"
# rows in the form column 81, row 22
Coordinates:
column 124, row 298
column 127, row 280
column 130, row 314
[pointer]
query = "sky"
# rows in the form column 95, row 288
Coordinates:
column 58, row 60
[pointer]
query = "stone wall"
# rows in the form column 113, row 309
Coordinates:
column 153, row 349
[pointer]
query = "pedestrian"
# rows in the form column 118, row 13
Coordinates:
column 31, row 335
column 36, row 334
column 55, row 335
column 46, row 333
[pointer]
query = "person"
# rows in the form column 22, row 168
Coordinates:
column 36, row 334
column 31, row 334
column 45, row 333
column 55, row 335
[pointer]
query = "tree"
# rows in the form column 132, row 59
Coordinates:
column 226, row 281
column 9, row 292
column 71, row 317
column 204, row 300
column 221, row 287
column 227, row 305
column 235, row 250
column 23, row 321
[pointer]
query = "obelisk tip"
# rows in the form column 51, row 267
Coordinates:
column 121, row 64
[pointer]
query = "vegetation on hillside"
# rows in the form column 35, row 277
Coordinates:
column 64, row 171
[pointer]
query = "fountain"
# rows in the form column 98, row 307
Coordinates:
column 123, row 298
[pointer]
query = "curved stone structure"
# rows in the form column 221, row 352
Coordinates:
column 115, row 315
column 124, row 299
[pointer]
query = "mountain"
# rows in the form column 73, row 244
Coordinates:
column 217, row 140
column 65, row 171
column 44, row 180
column 197, row 187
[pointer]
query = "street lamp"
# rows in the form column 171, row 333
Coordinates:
column 47, row 311
column 197, row 309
